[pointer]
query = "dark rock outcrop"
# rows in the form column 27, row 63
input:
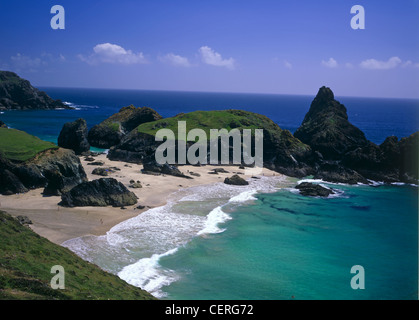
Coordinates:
column 335, row 172
column 17, row 93
column 10, row 184
column 326, row 127
column 56, row 171
column 343, row 154
column 135, row 147
column 74, row 136
column 2, row 125
column 155, row 168
column 110, row 132
column 101, row 172
column 24, row 220
column 313, row 190
column 236, row 180
column 102, row 192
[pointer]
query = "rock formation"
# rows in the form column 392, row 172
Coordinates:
column 345, row 155
column 55, row 170
column 326, row 127
column 313, row 190
column 153, row 167
column 101, row 192
column 236, row 180
column 74, row 136
column 110, row 132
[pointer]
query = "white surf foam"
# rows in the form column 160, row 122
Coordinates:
column 149, row 275
column 244, row 196
column 214, row 218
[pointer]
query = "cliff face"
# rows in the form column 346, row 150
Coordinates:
column 17, row 93
column 111, row 131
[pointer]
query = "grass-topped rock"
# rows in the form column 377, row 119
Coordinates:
column 19, row 146
column 110, row 132
column 281, row 150
column 27, row 162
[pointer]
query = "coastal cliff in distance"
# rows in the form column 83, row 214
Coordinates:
column 18, row 94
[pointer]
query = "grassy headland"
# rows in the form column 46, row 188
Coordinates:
column 20, row 146
column 26, row 260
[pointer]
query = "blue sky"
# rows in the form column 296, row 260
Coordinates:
column 285, row 47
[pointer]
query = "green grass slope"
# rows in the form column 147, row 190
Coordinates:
column 206, row 120
column 20, row 146
column 25, row 265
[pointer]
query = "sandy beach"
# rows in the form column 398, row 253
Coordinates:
column 59, row 224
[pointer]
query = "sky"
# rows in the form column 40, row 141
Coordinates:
column 280, row 47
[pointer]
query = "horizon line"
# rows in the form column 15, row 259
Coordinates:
column 229, row 92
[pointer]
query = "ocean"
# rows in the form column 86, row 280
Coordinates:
column 264, row 240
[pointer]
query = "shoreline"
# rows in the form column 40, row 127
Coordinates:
column 59, row 224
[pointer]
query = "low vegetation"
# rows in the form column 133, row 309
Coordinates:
column 26, row 260
column 20, row 146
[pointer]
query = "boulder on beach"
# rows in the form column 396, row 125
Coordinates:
column 236, row 180
column 99, row 193
column 153, row 167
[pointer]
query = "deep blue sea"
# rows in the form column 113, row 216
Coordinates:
column 265, row 240
column 377, row 118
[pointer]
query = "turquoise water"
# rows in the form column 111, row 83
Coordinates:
column 286, row 245
column 257, row 242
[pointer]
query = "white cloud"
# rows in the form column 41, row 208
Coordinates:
column 176, row 60
column 213, row 58
column 113, row 53
column 287, row 64
column 21, row 62
column 331, row 63
column 410, row 64
column 374, row 64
